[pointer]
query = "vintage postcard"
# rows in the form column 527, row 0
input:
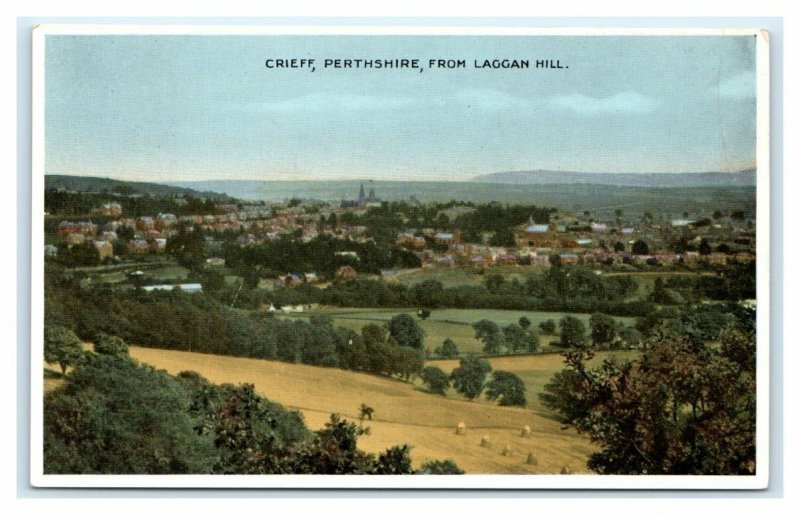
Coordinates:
column 403, row 257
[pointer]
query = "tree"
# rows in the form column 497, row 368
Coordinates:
column 447, row 350
column 548, row 326
column 113, row 345
column 603, row 329
column 435, row 380
column 717, row 215
column 573, row 332
column 423, row 314
column 619, row 246
column 503, row 237
column 640, row 248
column 405, row 330
column 495, row 282
column 469, row 377
column 704, row 248
column 62, row 346
column 507, row 387
column 519, row 340
column 441, row 467
column 678, row 409
column 524, row 322
column 489, row 333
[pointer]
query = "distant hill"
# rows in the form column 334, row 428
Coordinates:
column 104, row 185
column 648, row 180
column 600, row 199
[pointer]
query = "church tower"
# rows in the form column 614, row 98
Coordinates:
column 361, row 196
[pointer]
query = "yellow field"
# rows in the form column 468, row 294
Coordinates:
column 403, row 413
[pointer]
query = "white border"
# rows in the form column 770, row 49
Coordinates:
column 470, row 481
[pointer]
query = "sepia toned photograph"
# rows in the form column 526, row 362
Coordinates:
column 400, row 257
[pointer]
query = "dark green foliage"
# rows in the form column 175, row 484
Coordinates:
column 85, row 254
column 502, row 238
column 640, row 248
column 113, row 416
column 253, row 435
column 334, row 451
column 603, row 330
column 573, row 332
column 113, row 345
column 61, row 346
column 406, row 332
column 507, row 388
column 548, row 326
column 441, row 467
column 679, row 409
column 524, row 322
column 488, row 332
column 468, row 379
column 517, row 339
column 447, row 350
column 562, row 395
column 435, row 380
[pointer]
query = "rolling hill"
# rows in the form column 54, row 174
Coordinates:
column 104, row 185
column 644, row 180
column 403, row 412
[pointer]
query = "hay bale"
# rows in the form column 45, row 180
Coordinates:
column 526, row 431
column 531, row 459
column 566, row 470
column 506, row 450
column 461, row 429
column 485, row 442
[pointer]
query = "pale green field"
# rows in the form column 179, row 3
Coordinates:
column 455, row 324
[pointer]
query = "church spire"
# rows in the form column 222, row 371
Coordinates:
column 361, row 195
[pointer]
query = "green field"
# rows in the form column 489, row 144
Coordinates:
column 455, row 324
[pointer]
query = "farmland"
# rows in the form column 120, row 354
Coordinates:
column 455, row 324
column 403, row 412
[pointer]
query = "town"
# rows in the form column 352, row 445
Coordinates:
column 564, row 238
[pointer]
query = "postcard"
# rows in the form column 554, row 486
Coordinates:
column 400, row 257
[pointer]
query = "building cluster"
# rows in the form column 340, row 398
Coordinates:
column 566, row 239
column 570, row 241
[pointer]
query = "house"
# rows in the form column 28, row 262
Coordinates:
column 110, row 209
column 289, row 280
column 145, row 223
column 389, row 275
column 568, row 258
column 50, row 251
column 598, row 227
column 159, row 244
column 215, row 261
column 104, row 248
column 445, row 238
column 346, row 273
column 310, row 278
column 540, row 260
column 506, row 259
column 347, row 254
column 75, row 238
column 164, row 220
column 138, row 246
column 187, row 287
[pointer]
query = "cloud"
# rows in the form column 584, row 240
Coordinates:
column 627, row 102
column 738, row 87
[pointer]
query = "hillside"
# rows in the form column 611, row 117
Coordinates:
column 104, row 185
column 644, row 180
column 403, row 413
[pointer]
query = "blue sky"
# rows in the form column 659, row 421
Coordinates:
column 167, row 108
